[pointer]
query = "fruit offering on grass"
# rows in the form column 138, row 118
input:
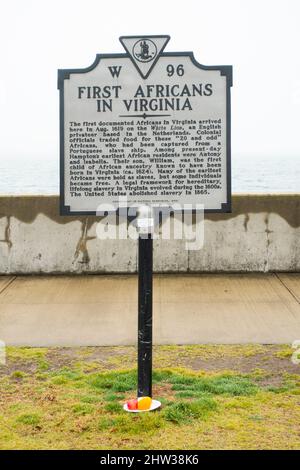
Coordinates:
column 144, row 403
column 132, row 404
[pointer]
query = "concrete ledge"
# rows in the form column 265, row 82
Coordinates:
column 262, row 234
column 102, row 310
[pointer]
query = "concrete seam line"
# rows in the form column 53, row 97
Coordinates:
column 7, row 284
column 287, row 288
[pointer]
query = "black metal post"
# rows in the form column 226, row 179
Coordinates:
column 145, row 316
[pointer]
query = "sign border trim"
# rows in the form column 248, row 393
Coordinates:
column 64, row 74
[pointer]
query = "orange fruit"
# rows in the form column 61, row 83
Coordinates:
column 144, row 403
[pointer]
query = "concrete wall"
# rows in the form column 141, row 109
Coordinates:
column 261, row 234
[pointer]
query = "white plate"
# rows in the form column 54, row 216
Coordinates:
column 154, row 405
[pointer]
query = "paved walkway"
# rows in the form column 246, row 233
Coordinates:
column 102, row 310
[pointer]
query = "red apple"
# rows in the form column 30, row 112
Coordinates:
column 132, row 404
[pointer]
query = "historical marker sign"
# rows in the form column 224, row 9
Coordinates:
column 150, row 125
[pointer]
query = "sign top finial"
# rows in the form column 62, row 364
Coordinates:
column 144, row 51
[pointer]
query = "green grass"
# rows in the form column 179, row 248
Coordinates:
column 181, row 411
column 29, row 419
column 91, row 399
column 111, row 396
column 121, row 382
column 105, row 423
column 26, row 354
column 80, row 407
column 224, row 384
column 113, row 407
column 18, row 374
column 143, row 424
column 188, row 393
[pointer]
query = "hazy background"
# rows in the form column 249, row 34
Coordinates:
column 261, row 39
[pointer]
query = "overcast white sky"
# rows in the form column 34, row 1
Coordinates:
column 260, row 38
